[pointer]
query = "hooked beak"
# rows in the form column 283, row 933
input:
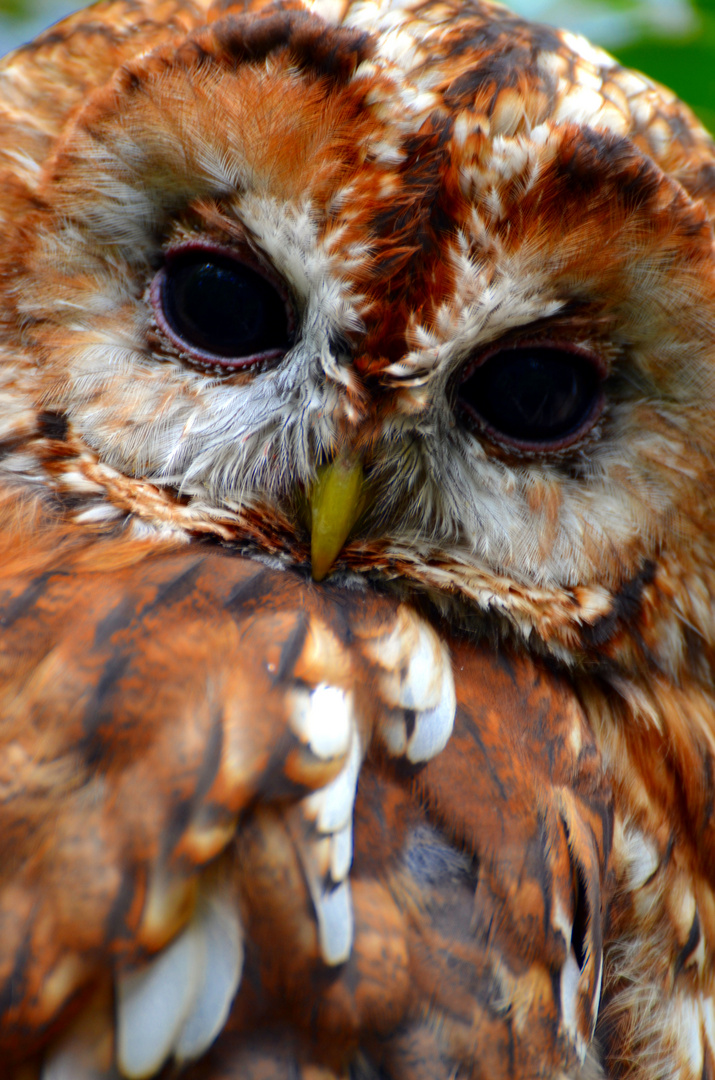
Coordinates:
column 335, row 502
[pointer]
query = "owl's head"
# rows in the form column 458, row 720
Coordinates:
column 442, row 274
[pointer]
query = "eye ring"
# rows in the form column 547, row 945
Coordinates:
column 533, row 396
column 221, row 309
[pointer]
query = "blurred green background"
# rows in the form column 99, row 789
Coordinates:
column 671, row 40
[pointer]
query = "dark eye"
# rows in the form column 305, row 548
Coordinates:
column 220, row 310
column 534, row 397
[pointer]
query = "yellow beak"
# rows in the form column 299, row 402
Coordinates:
column 334, row 507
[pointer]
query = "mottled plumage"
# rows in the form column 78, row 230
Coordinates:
column 432, row 287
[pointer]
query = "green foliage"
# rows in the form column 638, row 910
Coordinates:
column 18, row 9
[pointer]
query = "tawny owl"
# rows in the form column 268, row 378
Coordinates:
column 357, row 587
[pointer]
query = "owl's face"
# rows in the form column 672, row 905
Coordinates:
column 484, row 273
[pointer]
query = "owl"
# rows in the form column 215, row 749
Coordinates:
column 357, row 624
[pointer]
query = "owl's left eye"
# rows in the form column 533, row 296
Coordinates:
column 220, row 310
column 535, row 398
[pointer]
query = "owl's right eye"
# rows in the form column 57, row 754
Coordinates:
column 220, row 310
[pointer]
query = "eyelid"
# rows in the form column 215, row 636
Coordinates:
column 597, row 360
